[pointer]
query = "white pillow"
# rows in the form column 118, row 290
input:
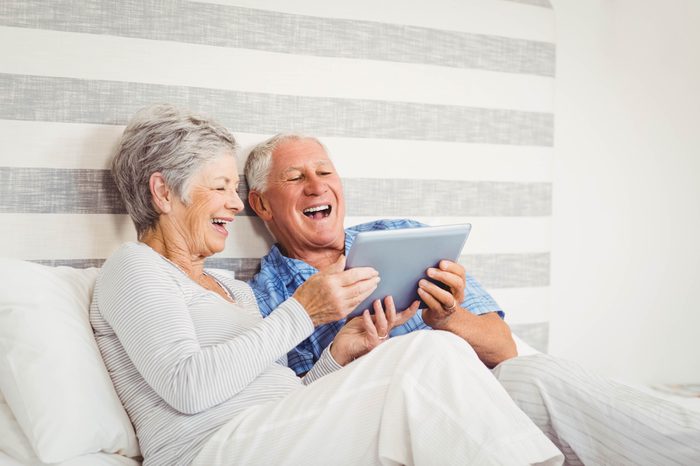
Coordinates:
column 51, row 371
column 12, row 439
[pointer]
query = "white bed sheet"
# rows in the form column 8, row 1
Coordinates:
column 95, row 459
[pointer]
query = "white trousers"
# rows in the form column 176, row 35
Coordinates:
column 423, row 398
column 595, row 421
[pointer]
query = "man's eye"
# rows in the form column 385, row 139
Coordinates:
column 296, row 178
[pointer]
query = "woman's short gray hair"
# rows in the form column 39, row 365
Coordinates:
column 175, row 142
column 257, row 167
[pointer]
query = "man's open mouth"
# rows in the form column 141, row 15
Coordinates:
column 318, row 212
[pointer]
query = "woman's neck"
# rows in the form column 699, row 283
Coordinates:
column 174, row 248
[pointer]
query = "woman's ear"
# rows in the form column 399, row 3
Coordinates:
column 258, row 203
column 160, row 193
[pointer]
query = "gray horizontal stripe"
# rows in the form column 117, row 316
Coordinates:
column 75, row 263
column 543, row 3
column 535, row 335
column 508, row 270
column 244, row 267
column 53, row 190
column 417, row 198
column 233, row 26
column 67, row 191
column 515, row 266
column 64, row 191
column 25, row 97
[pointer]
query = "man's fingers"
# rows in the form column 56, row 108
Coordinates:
column 452, row 267
column 442, row 297
column 428, row 299
column 453, row 281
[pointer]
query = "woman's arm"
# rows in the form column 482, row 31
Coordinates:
column 147, row 311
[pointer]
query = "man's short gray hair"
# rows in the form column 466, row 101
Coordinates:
column 257, row 167
column 175, row 142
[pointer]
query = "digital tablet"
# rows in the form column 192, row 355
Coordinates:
column 402, row 257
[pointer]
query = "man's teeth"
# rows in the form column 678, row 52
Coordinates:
column 219, row 221
column 311, row 210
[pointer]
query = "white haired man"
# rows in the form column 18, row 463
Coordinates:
column 295, row 189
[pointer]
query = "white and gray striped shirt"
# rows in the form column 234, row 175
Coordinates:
column 183, row 360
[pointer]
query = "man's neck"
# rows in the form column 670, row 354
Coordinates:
column 319, row 258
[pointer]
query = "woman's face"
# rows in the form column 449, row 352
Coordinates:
column 213, row 203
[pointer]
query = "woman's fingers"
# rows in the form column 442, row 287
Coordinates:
column 406, row 315
column 370, row 329
column 380, row 319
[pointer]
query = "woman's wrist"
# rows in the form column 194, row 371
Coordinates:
column 338, row 355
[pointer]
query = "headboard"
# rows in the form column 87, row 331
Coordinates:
column 440, row 111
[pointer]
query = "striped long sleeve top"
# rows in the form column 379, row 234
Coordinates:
column 182, row 359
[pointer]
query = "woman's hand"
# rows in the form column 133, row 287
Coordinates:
column 442, row 303
column 365, row 332
column 332, row 294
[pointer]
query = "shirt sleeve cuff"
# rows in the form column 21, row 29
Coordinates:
column 324, row 366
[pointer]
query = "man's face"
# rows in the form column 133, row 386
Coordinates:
column 303, row 204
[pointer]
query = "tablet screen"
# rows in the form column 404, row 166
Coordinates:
column 402, row 256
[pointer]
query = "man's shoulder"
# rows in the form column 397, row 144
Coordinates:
column 386, row 224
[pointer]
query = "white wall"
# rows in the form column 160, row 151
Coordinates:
column 626, row 239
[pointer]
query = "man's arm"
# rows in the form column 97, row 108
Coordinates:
column 488, row 334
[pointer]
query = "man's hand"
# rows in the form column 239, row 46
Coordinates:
column 442, row 303
column 487, row 333
column 365, row 332
column 332, row 294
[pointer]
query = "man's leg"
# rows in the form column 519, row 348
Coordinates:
column 413, row 400
column 596, row 421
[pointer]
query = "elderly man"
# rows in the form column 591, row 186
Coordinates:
column 296, row 191
column 299, row 195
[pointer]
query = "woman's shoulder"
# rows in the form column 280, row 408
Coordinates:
column 130, row 253
column 133, row 261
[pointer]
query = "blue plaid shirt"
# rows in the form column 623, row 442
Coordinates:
column 280, row 276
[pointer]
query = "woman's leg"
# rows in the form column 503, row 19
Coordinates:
column 424, row 398
column 594, row 420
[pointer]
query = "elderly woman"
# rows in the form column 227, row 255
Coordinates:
column 203, row 376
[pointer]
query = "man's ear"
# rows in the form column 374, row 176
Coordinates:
column 260, row 205
column 160, row 193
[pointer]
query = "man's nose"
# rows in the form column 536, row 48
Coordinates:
column 315, row 185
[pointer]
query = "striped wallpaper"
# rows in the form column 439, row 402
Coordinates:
column 440, row 111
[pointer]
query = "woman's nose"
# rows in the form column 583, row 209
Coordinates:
column 234, row 202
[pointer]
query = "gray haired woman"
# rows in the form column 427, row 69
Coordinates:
column 203, row 376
